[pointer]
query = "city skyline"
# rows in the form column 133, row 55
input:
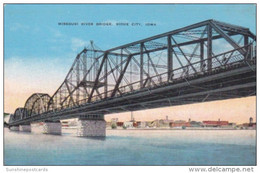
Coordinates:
column 234, row 107
column 38, row 52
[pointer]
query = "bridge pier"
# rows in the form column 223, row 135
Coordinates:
column 25, row 128
column 91, row 125
column 52, row 127
column 14, row 128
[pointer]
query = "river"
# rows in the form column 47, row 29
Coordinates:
column 132, row 147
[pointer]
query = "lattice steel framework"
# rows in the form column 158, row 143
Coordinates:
column 37, row 104
column 158, row 61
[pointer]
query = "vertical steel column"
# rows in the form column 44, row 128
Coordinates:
column 84, row 69
column 78, row 79
column 121, row 67
column 105, row 71
column 141, row 64
column 121, row 76
column 96, row 80
column 169, row 62
column 248, row 51
column 209, row 48
column 201, row 55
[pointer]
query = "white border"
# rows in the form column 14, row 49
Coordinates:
column 122, row 169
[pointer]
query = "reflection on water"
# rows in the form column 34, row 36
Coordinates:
column 132, row 147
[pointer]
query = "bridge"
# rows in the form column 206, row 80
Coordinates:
column 206, row 61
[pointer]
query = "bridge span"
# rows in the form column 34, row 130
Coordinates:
column 206, row 61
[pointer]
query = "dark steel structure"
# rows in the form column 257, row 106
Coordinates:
column 206, row 61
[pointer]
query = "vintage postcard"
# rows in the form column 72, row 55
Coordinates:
column 130, row 84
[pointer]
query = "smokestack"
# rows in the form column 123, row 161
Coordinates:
column 132, row 116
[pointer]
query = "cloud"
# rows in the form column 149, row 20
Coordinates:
column 19, row 27
column 55, row 33
column 78, row 44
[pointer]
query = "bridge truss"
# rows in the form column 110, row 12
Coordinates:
column 158, row 71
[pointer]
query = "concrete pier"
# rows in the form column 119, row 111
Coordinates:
column 52, row 127
column 25, row 128
column 14, row 128
column 91, row 125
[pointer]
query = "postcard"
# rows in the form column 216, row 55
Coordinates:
column 130, row 85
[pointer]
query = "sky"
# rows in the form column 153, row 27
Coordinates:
column 38, row 52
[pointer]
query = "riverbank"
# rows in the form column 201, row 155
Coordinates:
column 203, row 128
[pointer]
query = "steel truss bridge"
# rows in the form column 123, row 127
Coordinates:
column 206, row 61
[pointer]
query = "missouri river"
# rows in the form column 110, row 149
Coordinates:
column 132, row 147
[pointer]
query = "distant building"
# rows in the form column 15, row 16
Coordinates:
column 250, row 125
column 180, row 123
column 232, row 124
column 195, row 124
column 162, row 122
column 215, row 123
column 119, row 124
column 128, row 124
column 135, row 124
column 142, row 124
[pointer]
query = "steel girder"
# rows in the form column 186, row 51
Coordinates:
column 196, row 50
column 37, row 103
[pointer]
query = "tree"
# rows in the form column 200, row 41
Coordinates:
column 113, row 126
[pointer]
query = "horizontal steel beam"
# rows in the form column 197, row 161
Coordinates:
column 183, row 44
column 161, row 35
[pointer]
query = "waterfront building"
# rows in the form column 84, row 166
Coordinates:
column 215, row 123
column 128, row 124
column 250, row 125
column 163, row 122
column 180, row 124
column 119, row 124
column 142, row 124
column 195, row 124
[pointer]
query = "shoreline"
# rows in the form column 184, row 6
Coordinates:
column 180, row 129
column 75, row 128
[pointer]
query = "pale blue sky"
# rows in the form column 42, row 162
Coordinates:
column 38, row 52
column 32, row 30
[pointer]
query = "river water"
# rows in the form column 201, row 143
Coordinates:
column 132, row 147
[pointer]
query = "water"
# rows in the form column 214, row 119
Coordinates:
column 132, row 147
